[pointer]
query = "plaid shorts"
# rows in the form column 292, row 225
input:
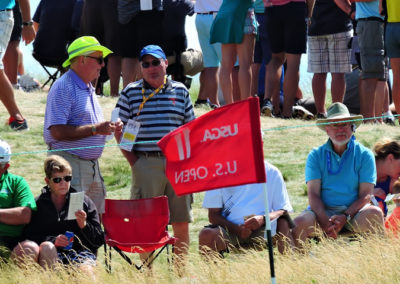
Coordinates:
column 6, row 26
column 250, row 24
column 329, row 53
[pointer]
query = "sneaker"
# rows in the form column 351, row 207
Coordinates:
column 17, row 125
column 199, row 103
column 267, row 108
column 388, row 118
column 301, row 113
column 320, row 115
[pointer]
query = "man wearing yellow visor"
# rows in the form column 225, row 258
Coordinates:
column 74, row 122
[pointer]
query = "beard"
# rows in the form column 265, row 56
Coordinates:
column 340, row 143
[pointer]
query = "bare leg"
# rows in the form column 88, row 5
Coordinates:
column 235, row 84
column 225, row 73
column 181, row 232
column 291, row 83
column 114, row 73
column 284, row 236
column 209, row 85
column 395, row 63
column 25, row 250
column 338, row 87
column 129, row 69
column 48, row 255
column 211, row 239
column 319, row 91
column 369, row 220
column 367, row 98
column 272, row 78
column 7, row 97
column 10, row 61
column 381, row 92
column 306, row 224
column 245, row 51
column 255, row 71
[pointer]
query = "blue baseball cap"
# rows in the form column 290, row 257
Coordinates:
column 153, row 50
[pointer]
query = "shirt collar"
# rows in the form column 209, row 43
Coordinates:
column 79, row 81
column 167, row 86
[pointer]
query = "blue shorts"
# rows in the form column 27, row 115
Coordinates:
column 212, row 54
column 392, row 40
column 6, row 26
column 262, row 49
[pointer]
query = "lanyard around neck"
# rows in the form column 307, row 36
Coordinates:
column 145, row 99
column 342, row 161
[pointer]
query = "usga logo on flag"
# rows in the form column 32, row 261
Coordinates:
column 219, row 149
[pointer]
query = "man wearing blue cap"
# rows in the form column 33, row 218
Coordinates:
column 74, row 122
column 155, row 106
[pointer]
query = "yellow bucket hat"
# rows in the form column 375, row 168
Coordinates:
column 83, row 45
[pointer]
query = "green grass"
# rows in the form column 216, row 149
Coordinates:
column 287, row 148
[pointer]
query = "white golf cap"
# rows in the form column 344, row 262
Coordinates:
column 5, row 152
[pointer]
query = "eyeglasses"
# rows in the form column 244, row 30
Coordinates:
column 99, row 60
column 58, row 179
column 155, row 63
column 339, row 125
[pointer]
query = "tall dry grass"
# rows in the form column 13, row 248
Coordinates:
column 286, row 144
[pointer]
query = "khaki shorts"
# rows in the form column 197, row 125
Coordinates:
column 86, row 177
column 149, row 180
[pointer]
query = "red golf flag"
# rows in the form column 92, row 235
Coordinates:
column 219, row 149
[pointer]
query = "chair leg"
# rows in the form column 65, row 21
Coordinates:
column 107, row 259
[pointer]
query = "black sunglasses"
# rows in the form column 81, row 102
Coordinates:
column 99, row 60
column 154, row 62
column 58, row 179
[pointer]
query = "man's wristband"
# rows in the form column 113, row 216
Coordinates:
column 28, row 23
column 348, row 217
column 94, row 132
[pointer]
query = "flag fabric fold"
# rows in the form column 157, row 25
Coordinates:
column 222, row 148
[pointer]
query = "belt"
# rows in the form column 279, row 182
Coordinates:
column 371, row 19
column 150, row 153
column 5, row 10
column 206, row 13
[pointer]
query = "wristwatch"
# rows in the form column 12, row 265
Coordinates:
column 348, row 216
column 28, row 23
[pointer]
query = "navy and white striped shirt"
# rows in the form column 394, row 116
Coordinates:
column 72, row 102
column 161, row 114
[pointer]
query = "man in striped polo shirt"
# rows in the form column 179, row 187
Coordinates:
column 157, row 106
column 74, row 119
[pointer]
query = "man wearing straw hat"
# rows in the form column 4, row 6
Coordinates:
column 340, row 177
column 74, row 119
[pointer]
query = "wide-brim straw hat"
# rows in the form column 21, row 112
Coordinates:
column 339, row 112
column 82, row 46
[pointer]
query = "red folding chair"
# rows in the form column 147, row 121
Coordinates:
column 136, row 226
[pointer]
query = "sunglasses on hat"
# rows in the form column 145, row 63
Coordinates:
column 155, row 63
column 58, row 179
column 99, row 60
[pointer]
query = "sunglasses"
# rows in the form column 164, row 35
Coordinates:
column 155, row 63
column 58, row 179
column 99, row 60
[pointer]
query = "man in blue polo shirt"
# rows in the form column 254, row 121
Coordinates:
column 74, row 119
column 340, row 177
column 156, row 106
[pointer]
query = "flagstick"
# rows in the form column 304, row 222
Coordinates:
column 268, row 237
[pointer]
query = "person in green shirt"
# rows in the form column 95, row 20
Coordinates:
column 16, row 205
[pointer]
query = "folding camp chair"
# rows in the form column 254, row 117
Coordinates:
column 136, row 226
column 52, row 63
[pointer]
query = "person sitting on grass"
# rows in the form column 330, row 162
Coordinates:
column 340, row 177
column 50, row 222
column 16, row 205
column 387, row 160
column 237, row 215
column 392, row 223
